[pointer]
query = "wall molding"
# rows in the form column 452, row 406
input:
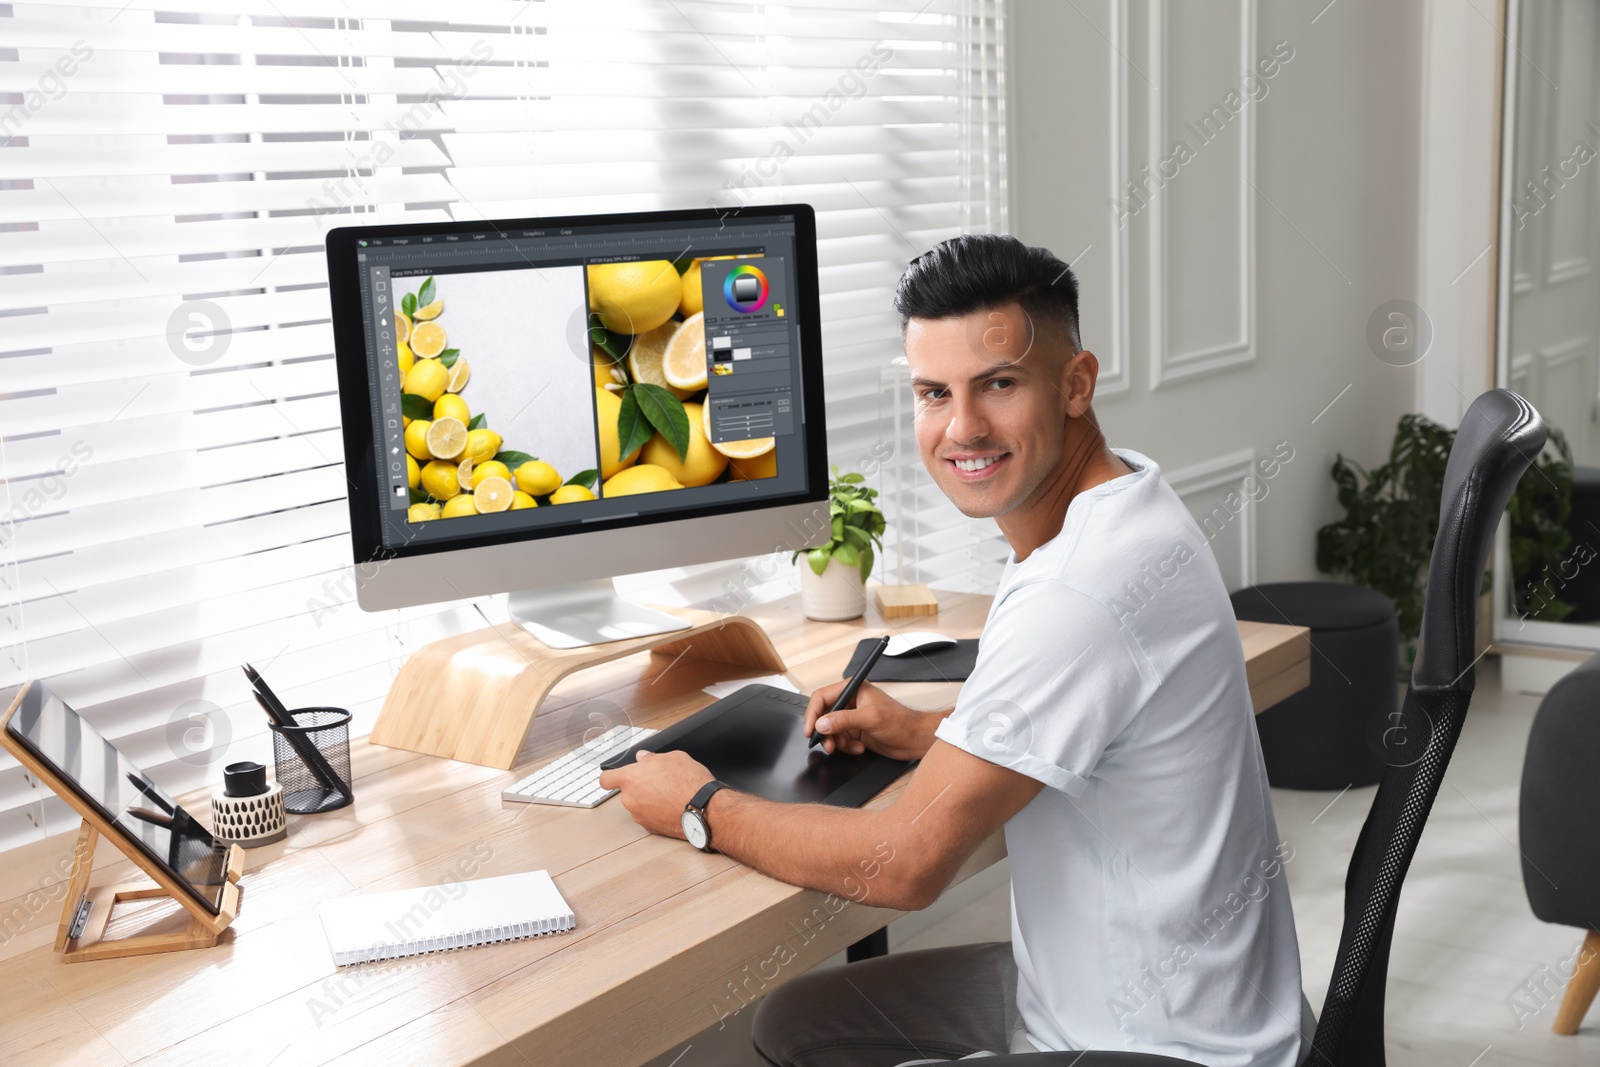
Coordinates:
column 1167, row 366
column 1115, row 378
column 1211, row 480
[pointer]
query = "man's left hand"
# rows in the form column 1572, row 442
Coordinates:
column 656, row 787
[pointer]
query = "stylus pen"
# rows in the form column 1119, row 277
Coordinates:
column 848, row 696
column 304, row 746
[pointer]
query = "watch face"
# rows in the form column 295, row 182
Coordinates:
column 694, row 829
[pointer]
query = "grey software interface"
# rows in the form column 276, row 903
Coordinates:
column 535, row 378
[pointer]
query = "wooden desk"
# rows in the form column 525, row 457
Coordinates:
column 668, row 940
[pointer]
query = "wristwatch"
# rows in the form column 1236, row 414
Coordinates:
column 693, row 820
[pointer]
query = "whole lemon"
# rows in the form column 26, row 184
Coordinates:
column 538, row 478
column 520, row 500
column 693, row 299
column 413, row 472
column 482, row 445
column 417, row 438
column 451, row 406
column 422, row 512
column 459, row 506
column 608, row 406
column 701, row 466
column 492, row 468
column 570, row 494
column 746, row 470
column 641, row 478
column 634, row 297
column 427, row 379
column 439, row 480
column 407, row 360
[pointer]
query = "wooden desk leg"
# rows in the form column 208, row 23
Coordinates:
column 872, row 946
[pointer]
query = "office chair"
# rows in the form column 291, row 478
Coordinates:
column 1499, row 437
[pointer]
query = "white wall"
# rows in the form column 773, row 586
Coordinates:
column 1276, row 253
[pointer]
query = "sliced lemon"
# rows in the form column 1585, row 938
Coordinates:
column 646, row 354
column 447, row 438
column 450, row 406
column 684, row 363
column 640, row 478
column 458, row 506
column 402, row 327
column 748, row 449
column 406, row 359
column 422, row 512
column 491, row 468
column 417, row 438
column 464, row 474
column 427, row 339
column 520, row 500
column 538, row 478
column 431, row 311
column 439, row 480
column 427, row 379
column 492, row 495
column 570, row 494
column 482, row 444
column 413, row 472
column 460, row 371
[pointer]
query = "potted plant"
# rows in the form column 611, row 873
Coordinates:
column 833, row 584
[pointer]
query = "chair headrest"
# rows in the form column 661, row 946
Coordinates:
column 1500, row 437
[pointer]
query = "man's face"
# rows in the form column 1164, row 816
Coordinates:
column 991, row 405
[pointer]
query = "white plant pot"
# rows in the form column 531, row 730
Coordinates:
column 834, row 595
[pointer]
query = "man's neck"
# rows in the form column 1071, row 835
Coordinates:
column 1086, row 462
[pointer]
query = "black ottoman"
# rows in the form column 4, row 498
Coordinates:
column 1582, row 589
column 1330, row 734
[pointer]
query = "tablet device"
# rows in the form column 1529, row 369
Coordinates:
column 755, row 741
column 103, row 779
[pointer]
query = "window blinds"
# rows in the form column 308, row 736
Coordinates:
column 173, row 489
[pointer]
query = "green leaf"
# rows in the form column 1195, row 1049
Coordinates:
column 665, row 412
column 838, row 529
column 479, row 421
column 633, row 429
column 858, row 537
column 614, row 345
column 449, row 356
column 408, row 303
column 587, row 479
column 853, row 478
column 513, row 460
column 415, row 407
column 425, row 294
column 418, row 496
column 682, row 266
column 818, row 558
column 866, row 563
column 847, row 554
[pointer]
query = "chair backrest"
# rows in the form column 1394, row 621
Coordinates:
column 1500, row 436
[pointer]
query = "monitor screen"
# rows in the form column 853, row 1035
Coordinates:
column 122, row 794
column 532, row 378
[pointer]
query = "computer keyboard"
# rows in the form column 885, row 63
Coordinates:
column 573, row 780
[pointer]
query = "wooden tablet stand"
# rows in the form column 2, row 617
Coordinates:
column 473, row 696
column 91, row 943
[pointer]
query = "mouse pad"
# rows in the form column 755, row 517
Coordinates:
column 947, row 663
column 754, row 740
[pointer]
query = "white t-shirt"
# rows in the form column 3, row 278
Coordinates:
column 1150, row 909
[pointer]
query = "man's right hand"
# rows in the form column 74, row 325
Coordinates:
column 878, row 722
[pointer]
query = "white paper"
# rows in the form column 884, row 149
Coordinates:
column 727, row 689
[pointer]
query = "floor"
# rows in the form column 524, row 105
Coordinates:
column 1466, row 947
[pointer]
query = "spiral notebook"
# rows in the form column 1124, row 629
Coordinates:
column 410, row 922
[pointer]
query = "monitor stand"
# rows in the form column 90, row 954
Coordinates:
column 579, row 614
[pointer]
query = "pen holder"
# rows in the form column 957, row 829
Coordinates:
column 306, row 754
column 247, row 811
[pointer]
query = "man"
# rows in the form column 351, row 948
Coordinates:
column 1107, row 727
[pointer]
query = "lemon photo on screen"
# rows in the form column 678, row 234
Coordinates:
column 511, row 428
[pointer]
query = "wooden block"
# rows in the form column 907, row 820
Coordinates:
column 903, row 601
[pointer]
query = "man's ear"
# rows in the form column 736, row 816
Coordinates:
column 1082, row 372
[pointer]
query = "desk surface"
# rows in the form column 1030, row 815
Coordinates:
column 668, row 939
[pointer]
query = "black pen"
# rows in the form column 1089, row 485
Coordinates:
column 848, row 695
column 303, row 746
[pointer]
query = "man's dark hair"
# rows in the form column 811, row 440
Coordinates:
column 978, row 271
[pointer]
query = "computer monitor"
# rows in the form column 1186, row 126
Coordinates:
column 534, row 406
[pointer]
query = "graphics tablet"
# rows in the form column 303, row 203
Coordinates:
column 755, row 741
